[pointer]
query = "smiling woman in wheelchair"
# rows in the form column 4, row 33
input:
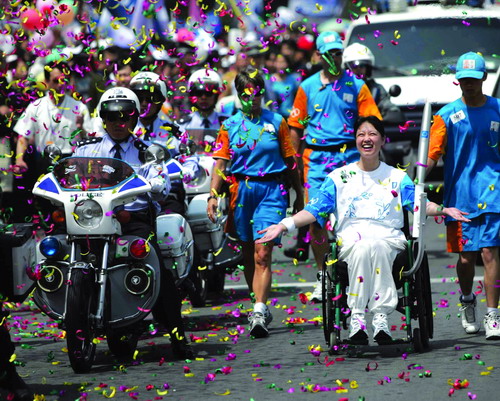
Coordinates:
column 367, row 198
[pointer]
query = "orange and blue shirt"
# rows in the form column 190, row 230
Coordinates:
column 330, row 111
column 252, row 145
column 468, row 139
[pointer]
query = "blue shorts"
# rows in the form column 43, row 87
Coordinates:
column 259, row 204
column 318, row 164
column 483, row 231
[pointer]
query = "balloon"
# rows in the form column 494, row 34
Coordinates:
column 31, row 19
column 66, row 12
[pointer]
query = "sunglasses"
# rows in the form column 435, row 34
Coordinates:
column 149, row 97
column 199, row 93
column 116, row 116
column 338, row 53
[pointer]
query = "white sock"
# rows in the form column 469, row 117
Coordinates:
column 468, row 298
column 492, row 310
column 260, row 307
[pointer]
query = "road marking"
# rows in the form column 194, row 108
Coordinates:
column 310, row 284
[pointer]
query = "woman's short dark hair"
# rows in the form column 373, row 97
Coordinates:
column 249, row 76
column 373, row 120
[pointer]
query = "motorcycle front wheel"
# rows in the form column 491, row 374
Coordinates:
column 80, row 329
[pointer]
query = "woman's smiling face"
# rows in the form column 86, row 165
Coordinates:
column 369, row 141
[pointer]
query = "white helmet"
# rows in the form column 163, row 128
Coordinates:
column 118, row 99
column 144, row 81
column 358, row 54
column 205, row 80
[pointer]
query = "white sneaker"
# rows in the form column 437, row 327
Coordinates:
column 357, row 331
column 268, row 317
column 317, row 294
column 492, row 326
column 468, row 312
column 381, row 332
column 258, row 327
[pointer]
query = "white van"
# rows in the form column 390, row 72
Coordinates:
column 417, row 49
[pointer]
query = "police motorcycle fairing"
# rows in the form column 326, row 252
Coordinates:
column 92, row 278
column 216, row 252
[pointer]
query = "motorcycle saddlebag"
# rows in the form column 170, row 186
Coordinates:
column 17, row 253
column 207, row 235
column 175, row 240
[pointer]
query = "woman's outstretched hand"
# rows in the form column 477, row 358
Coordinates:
column 455, row 213
column 271, row 233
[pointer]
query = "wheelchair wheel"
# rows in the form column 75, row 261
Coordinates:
column 417, row 341
column 423, row 298
column 327, row 304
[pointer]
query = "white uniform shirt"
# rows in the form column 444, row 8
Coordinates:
column 43, row 123
column 196, row 122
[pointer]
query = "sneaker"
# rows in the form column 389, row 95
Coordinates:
column 492, row 326
column 258, row 326
column 381, row 332
column 317, row 295
column 268, row 317
column 299, row 252
column 468, row 312
column 357, row 333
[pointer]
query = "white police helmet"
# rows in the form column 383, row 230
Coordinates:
column 206, row 80
column 146, row 80
column 358, row 55
column 118, row 99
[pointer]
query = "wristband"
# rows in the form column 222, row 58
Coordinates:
column 211, row 197
column 288, row 223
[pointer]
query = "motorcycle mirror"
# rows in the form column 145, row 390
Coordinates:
column 156, row 154
column 395, row 90
column 52, row 153
column 188, row 148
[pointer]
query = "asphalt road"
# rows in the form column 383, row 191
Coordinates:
column 230, row 365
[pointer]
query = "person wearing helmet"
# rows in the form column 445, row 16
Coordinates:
column 119, row 110
column 204, row 87
column 157, row 127
column 327, row 104
column 360, row 60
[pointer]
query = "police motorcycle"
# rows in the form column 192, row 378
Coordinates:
column 216, row 252
column 92, row 278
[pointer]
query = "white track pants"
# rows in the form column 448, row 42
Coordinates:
column 370, row 274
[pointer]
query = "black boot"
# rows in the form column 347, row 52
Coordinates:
column 181, row 349
column 301, row 249
column 12, row 382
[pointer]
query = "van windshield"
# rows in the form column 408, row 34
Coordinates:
column 428, row 46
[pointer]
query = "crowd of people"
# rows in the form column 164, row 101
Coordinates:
column 301, row 113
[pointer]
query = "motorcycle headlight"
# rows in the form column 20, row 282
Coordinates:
column 88, row 213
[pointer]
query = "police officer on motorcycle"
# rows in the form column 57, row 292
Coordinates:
column 157, row 127
column 204, row 88
column 119, row 109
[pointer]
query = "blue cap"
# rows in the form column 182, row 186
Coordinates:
column 328, row 41
column 470, row 65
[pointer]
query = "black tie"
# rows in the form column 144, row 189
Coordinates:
column 206, row 123
column 117, row 148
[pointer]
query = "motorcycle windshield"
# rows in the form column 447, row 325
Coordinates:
column 90, row 173
column 204, row 139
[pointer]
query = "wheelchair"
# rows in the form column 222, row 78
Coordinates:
column 415, row 301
